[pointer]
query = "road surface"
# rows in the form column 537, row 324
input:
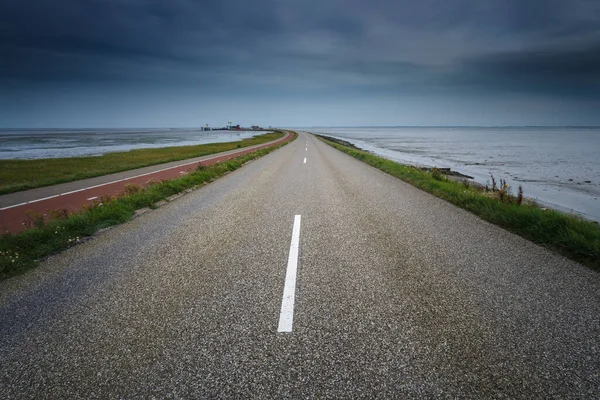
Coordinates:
column 305, row 274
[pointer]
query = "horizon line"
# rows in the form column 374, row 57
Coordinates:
column 312, row 127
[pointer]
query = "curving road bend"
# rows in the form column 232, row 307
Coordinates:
column 395, row 294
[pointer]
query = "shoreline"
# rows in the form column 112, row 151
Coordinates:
column 569, row 197
column 449, row 172
column 61, row 143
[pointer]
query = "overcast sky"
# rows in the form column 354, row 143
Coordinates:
column 144, row 63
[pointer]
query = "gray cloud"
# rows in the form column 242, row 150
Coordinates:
column 558, row 71
column 266, row 47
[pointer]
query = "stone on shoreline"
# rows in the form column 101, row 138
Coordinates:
column 448, row 172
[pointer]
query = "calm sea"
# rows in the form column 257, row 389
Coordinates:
column 559, row 167
column 54, row 143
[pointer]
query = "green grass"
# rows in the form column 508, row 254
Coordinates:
column 17, row 175
column 570, row 235
column 21, row 252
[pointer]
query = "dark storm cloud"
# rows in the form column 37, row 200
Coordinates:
column 552, row 70
column 564, row 64
column 534, row 45
column 41, row 41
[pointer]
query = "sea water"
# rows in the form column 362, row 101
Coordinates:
column 558, row 166
column 55, row 143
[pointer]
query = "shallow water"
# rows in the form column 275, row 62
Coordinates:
column 55, row 143
column 559, row 167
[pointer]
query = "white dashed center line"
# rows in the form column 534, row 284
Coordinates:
column 304, row 160
column 286, row 317
column 93, row 198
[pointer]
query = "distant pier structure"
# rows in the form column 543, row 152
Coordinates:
column 234, row 127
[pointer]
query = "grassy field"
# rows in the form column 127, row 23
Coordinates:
column 16, row 175
column 570, row 235
column 21, row 252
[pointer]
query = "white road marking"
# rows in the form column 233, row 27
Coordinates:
column 93, row 198
column 286, row 317
column 304, row 160
column 95, row 186
column 124, row 179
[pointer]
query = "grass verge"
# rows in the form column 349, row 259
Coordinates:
column 17, row 175
column 570, row 235
column 21, row 252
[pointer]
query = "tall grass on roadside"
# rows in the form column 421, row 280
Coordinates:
column 16, row 175
column 21, row 252
column 570, row 235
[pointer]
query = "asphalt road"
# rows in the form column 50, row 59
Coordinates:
column 397, row 295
